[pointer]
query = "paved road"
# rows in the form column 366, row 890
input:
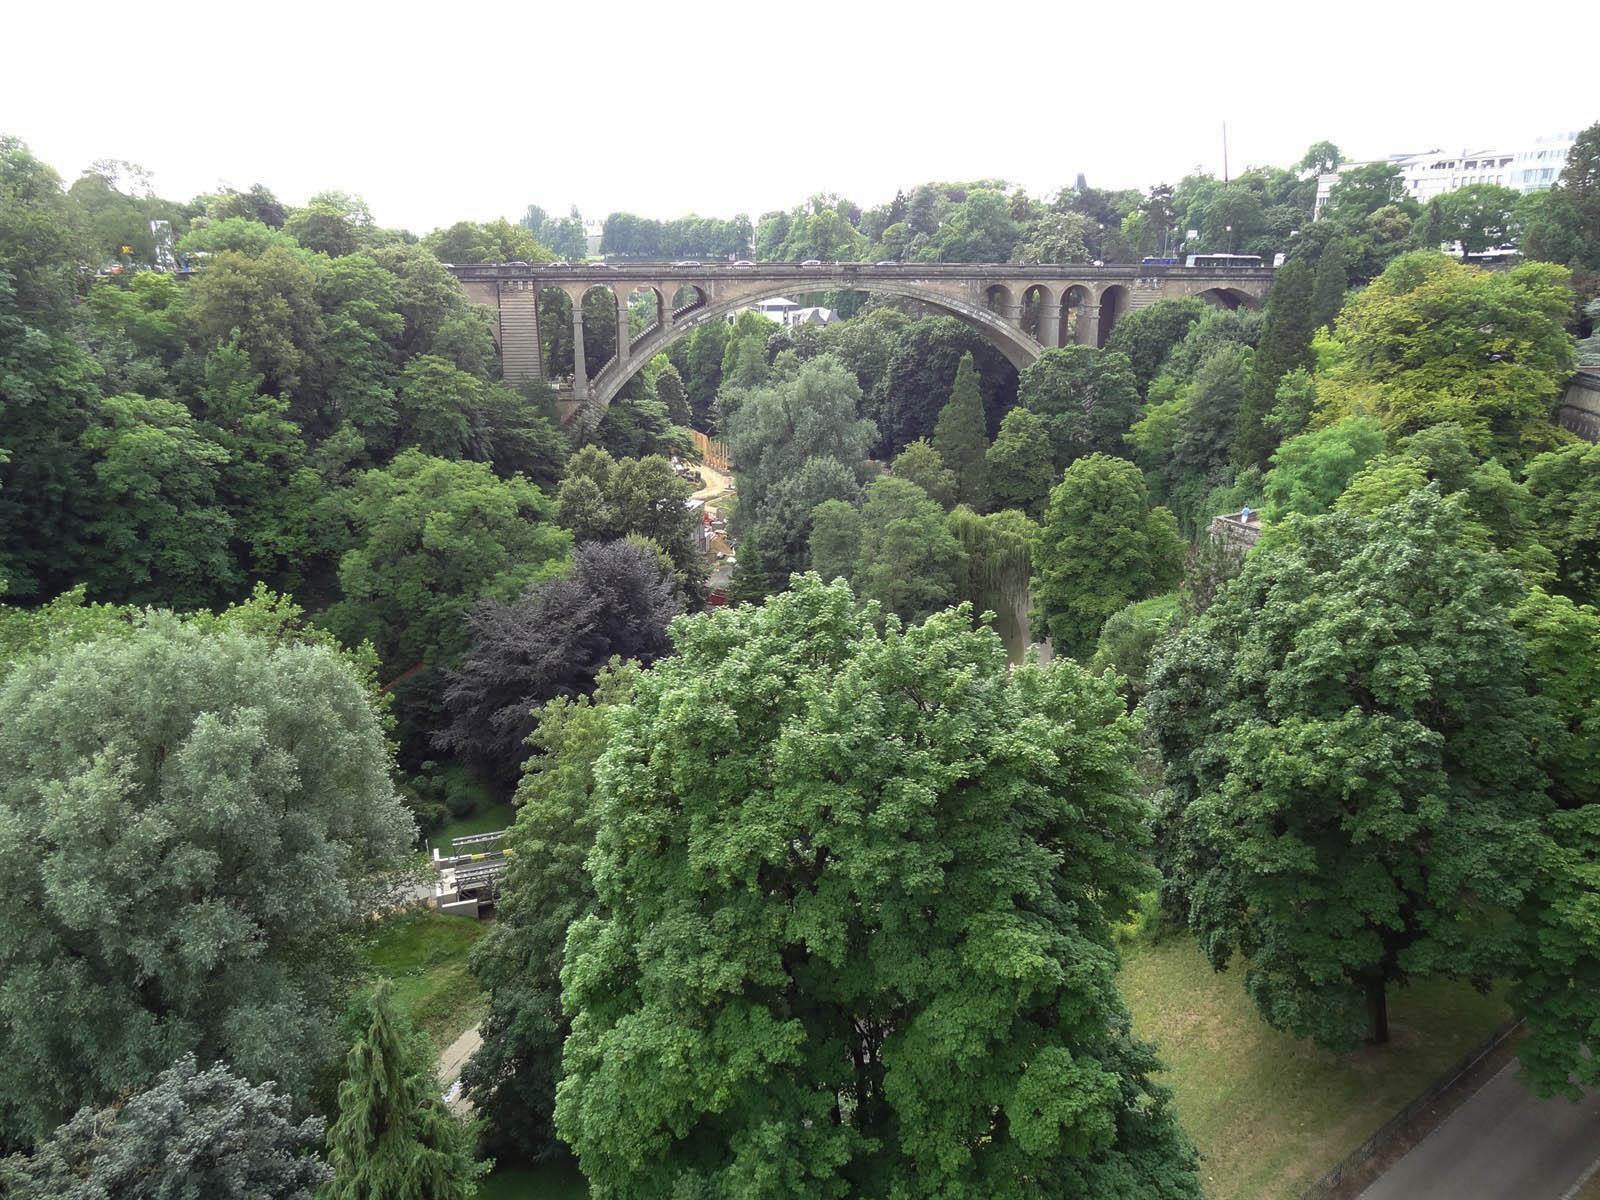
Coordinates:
column 1502, row 1144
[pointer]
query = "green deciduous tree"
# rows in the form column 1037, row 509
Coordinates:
column 1087, row 399
column 1565, row 486
column 1433, row 340
column 161, row 536
column 1146, row 335
column 924, row 466
column 831, row 970
column 167, row 792
column 1350, row 744
column 960, row 435
column 433, row 537
column 1021, row 464
column 546, row 887
column 394, row 1137
column 190, row 1133
column 1101, row 546
column 1310, row 471
column 897, row 550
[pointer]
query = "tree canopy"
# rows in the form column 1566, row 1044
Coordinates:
column 919, row 991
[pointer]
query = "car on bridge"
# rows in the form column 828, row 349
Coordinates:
column 688, row 262
column 812, row 262
column 744, row 262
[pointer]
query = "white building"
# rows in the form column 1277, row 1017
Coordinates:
column 1531, row 167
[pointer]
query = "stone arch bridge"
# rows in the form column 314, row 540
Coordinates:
column 1022, row 310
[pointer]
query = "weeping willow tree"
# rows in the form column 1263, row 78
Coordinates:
column 998, row 569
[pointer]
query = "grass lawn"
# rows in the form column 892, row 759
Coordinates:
column 424, row 955
column 560, row 1181
column 1269, row 1112
column 482, row 820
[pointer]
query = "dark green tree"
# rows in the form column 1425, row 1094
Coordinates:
column 1565, row 487
column 829, row 971
column 960, row 435
column 512, row 1077
column 1021, row 464
column 1086, row 398
column 1147, row 334
column 1350, row 746
column 1285, row 346
column 1101, row 546
column 394, row 1138
column 915, row 385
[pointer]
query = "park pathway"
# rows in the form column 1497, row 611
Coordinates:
column 450, row 1063
column 1502, row 1144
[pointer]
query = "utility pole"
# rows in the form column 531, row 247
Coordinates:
column 1224, row 154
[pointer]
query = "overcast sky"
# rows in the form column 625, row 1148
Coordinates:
column 476, row 108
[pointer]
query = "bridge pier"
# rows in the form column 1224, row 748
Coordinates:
column 624, row 335
column 1088, row 333
column 1049, row 322
column 580, row 369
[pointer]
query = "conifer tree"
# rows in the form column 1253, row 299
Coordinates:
column 1332, row 280
column 961, row 437
column 394, row 1138
column 1285, row 346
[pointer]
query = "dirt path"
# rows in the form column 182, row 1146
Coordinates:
column 450, row 1063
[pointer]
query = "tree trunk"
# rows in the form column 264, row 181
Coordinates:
column 1378, row 1011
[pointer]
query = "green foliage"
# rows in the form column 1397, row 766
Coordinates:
column 1285, row 346
column 639, row 497
column 824, row 970
column 41, row 237
column 1147, row 334
column 190, row 1133
column 496, row 241
column 1432, row 340
column 1565, row 487
column 512, row 1078
column 1130, row 639
column 921, row 464
column 163, row 791
column 1021, row 464
column 708, row 344
column 1085, row 397
column 915, row 384
column 1349, row 748
column 269, row 304
column 999, row 554
column 897, row 550
column 1310, row 471
column 1101, row 547
column 394, row 1137
column 1562, row 640
column 1331, row 282
column 433, row 536
column 161, row 535
column 1362, row 191
column 960, row 435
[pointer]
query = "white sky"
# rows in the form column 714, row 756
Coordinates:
column 476, row 108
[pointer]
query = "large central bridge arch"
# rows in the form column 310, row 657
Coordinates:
column 1020, row 310
column 1018, row 348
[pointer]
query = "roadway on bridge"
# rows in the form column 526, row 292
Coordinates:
column 1502, row 1144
